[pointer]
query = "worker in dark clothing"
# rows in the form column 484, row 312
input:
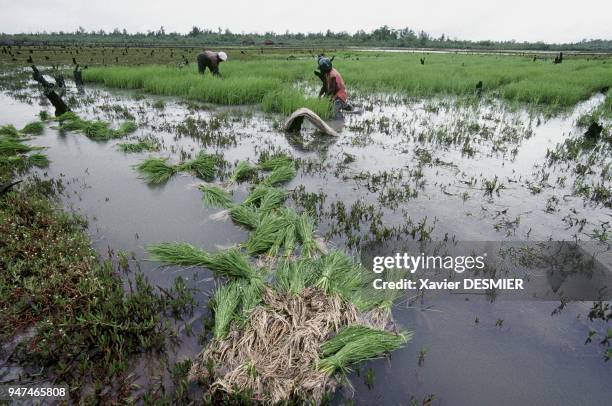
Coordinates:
column 211, row 60
column 333, row 86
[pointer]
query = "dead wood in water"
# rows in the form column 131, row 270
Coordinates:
column 49, row 91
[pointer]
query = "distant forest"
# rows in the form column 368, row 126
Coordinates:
column 380, row 37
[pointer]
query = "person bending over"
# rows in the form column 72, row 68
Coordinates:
column 333, row 86
column 211, row 60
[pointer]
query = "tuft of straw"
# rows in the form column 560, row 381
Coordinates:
column 214, row 196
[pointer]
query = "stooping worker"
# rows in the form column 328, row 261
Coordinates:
column 211, row 60
column 333, row 85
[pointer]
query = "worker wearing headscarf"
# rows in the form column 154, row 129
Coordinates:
column 333, row 85
column 211, row 60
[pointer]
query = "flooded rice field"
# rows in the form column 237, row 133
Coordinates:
column 445, row 168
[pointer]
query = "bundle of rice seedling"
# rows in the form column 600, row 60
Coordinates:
column 245, row 215
column 146, row 143
column 13, row 146
column 294, row 276
column 337, row 273
column 180, row 253
column 234, row 264
column 281, row 174
column 99, row 130
column 126, row 128
column 225, row 306
column 368, row 297
column 274, row 197
column 272, row 229
column 203, row 166
column 10, row 130
column 34, row 128
column 156, row 170
column 250, row 297
column 214, row 196
column 275, row 162
column 244, row 171
column 357, row 345
column 305, row 232
column 38, row 160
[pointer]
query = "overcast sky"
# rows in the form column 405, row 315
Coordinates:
column 522, row 20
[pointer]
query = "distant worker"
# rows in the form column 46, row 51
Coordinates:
column 333, row 86
column 211, row 60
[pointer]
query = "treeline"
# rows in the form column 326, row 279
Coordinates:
column 381, row 37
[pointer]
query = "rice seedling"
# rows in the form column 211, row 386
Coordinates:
column 245, row 215
column 266, row 198
column 234, row 265
column 156, row 170
column 250, row 297
column 304, row 227
column 337, row 273
column 225, row 305
column 271, row 231
column 10, row 130
column 294, row 276
column 34, row 128
column 179, row 253
column 13, row 146
column 39, row 160
column 214, row 196
column 357, row 345
column 280, row 175
column 244, row 171
column 146, row 143
column 269, row 163
column 203, row 166
column 96, row 130
column 345, row 336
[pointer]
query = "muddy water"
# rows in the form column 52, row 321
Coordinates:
column 532, row 358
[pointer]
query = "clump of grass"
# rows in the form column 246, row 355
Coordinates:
column 225, row 305
column 156, row 170
column 214, row 196
column 33, row 128
column 356, row 344
column 203, row 166
column 146, row 143
column 281, row 174
column 180, row 253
